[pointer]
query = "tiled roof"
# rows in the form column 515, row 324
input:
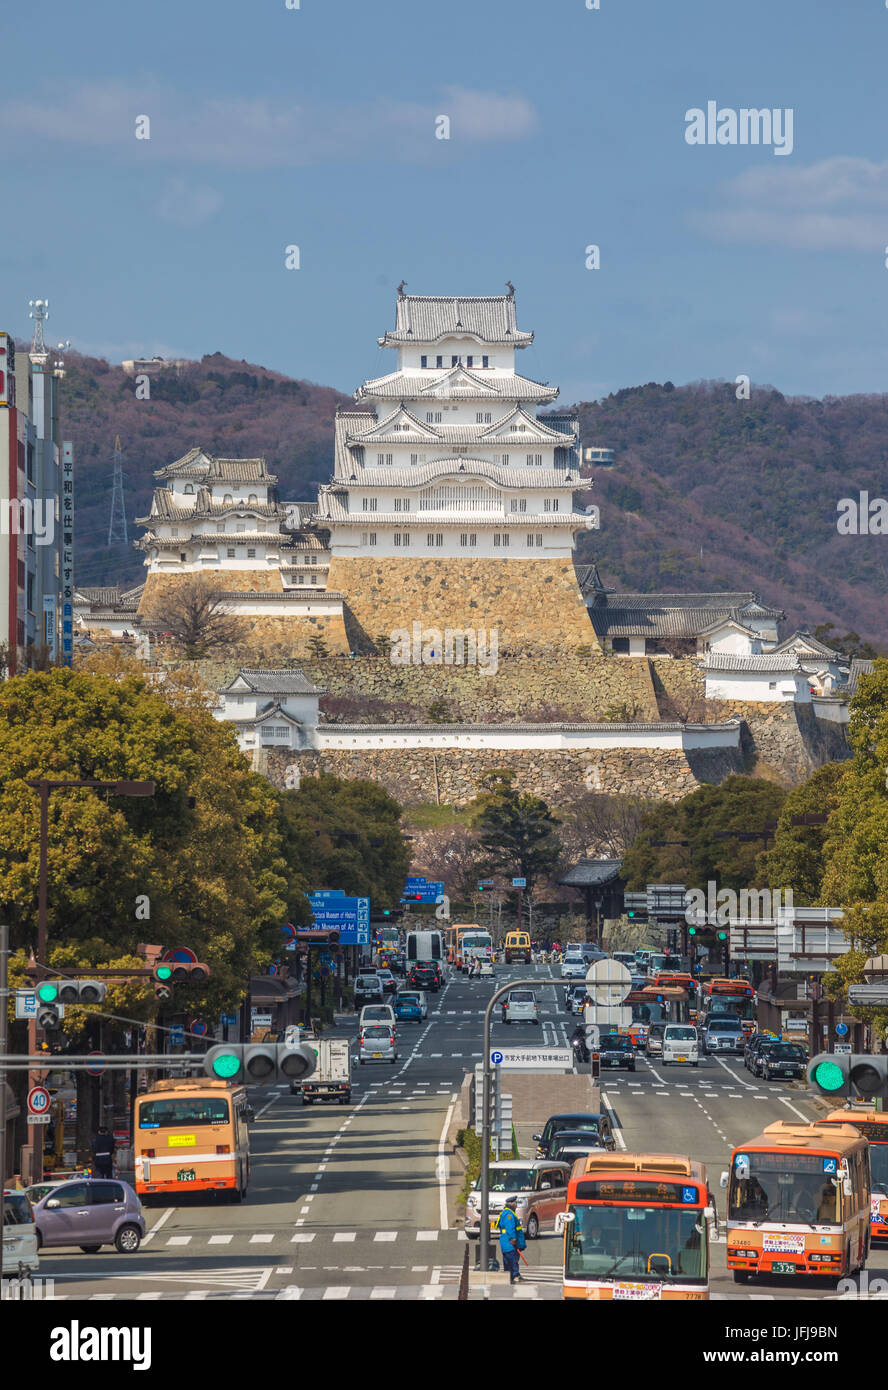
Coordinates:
column 589, row 873
column 609, row 621
column 204, row 509
column 723, row 602
column 859, row 667
column 109, row 601
column 418, row 474
column 728, row 725
column 803, row 643
column 460, row 383
column 425, row 319
column 197, row 465
column 469, row 521
column 272, row 680
column 298, row 594
column 213, row 538
column 723, row 661
column 105, row 597
column 488, row 436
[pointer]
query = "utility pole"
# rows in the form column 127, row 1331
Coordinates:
column 117, row 524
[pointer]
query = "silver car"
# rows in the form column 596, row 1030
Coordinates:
column 377, row 1042
column 89, row 1212
column 724, row 1038
column 521, row 1007
column 541, row 1189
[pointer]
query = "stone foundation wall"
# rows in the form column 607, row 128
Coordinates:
column 158, row 585
column 535, row 605
column 452, row 776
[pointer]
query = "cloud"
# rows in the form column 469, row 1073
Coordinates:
column 839, row 204
column 244, row 133
column 187, row 204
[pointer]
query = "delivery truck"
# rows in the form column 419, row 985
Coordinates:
column 331, row 1079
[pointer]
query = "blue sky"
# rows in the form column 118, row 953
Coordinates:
column 316, row 127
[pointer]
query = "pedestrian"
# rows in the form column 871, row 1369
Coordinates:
column 103, row 1152
column 511, row 1236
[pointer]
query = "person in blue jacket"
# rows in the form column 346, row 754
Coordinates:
column 511, row 1237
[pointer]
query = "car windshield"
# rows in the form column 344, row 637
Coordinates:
column 787, row 1052
column 521, row 996
column 574, row 1123
column 16, row 1209
column 168, row 1112
column 509, row 1180
column 410, row 998
column 724, row 1025
column 656, row 1243
column 36, row 1193
column 376, row 1030
column 783, row 1187
column 588, row 1139
column 676, row 1034
column 614, row 1042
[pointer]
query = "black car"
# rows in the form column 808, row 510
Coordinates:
column 616, row 1050
column 757, row 1052
column 422, row 976
column 564, row 1137
column 784, row 1060
column 752, row 1043
column 576, row 1122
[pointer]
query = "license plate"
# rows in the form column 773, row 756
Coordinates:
column 783, row 1267
column 186, row 1175
column 377, row 1054
column 681, row 1059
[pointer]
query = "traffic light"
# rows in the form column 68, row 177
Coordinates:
column 163, row 986
column 859, row 1076
column 48, row 1006
column 260, row 1062
column 692, row 931
column 189, row 972
column 722, row 935
column 81, row 991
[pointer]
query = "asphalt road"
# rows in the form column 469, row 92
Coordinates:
column 356, row 1202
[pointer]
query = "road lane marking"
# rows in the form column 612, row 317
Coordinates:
column 337, row 1291
column 179, row 1240
column 617, row 1130
column 343, row 1235
column 386, row 1235
column 262, row 1239
column 157, row 1225
column 220, row 1240
column 442, row 1168
column 300, row 1238
column 805, row 1118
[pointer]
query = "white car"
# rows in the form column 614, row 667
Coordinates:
column 19, row 1236
column 681, row 1043
column 487, row 967
column 521, row 1007
column 574, row 968
column 377, row 1013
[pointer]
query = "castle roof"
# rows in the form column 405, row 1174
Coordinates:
column 458, row 383
column 724, row 661
column 428, row 319
column 269, row 680
column 502, row 475
column 199, row 466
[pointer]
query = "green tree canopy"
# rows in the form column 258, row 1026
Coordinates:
column 516, row 831
column 196, row 865
column 342, row 834
column 797, row 858
column 737, row 804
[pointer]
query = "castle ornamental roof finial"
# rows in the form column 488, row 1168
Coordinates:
column 401, row 289
column 511, row 288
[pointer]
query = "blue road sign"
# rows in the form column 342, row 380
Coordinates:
column 416, row 882
column 519, row 882
column 229, row 1020
column 348, row 916
column 496, row 1058
column 841, row 1029
column 177, row 1035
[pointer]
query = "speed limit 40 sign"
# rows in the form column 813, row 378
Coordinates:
column 38, row 1101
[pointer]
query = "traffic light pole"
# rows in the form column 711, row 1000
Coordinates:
column 484, row 1233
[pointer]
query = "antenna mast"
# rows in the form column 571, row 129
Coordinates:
column 117, row 524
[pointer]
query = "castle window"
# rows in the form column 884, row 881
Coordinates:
column 220, row 527
column 174, row 530
column 500, row 539
column 506, row 459
column 251, row 553
column 229, row 554
column 252, row 497
column 464, row 538
column 434, row 538
column 369, row 504
column 413, row 458
column 454, row 361
column 402, row 538
column 189, row 489
column 473, row 539
column 439, row 361
column 182, row 557
column 550, row 504
column 227, row 499
column 423, row 361
column 485, row 361
column 433, row 417
column 402, row 504
column 539, row 538
column 372, row 537
column 469, row 361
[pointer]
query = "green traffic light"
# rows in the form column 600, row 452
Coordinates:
column 829, row 1077
column 722, row 936
column 692, row 931
column 163, row 972
column 227, row 1065
column 47, row 994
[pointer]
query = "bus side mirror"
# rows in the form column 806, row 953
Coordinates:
column 723, row 1180
column 563, row 1219
column 709, row 1213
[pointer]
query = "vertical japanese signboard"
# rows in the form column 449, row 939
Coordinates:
column 67, row 552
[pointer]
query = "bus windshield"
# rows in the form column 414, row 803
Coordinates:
column 647, row 1013
column 169, row 1111
column 659, row 1243
column 878, row 1155
column 784, row 1187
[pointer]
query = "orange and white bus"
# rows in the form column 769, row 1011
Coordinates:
column 636, row 1227
column 453, row 942
column 873, row 1125
column 799, row 1202
column 191, row 1135
column 721, row 995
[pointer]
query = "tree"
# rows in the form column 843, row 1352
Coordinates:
column 198, row 864
column 602, row 823
column 342, row 834
column 797, row 859
column 317, row 646
column 516, row 830
column 449, row 854
column 193, row 612
column 737, row 804
column 851, row 645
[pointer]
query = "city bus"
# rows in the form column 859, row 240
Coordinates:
column 873, row 1125
column 454, row 936
column 723, row 996
column 799, row 1202
column 653, row 1004
column 388, row 939
column 475, row 944
column 190, row 1135
column 636, row 1227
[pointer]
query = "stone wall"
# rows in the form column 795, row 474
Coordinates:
column 452, row 776
column 535, row 605
column 157, row 586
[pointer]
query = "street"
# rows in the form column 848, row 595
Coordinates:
column 357, row 1202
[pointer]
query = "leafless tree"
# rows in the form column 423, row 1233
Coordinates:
column 601, row 823
column 449, row 854
column 193, row 613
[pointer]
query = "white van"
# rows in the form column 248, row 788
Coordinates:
column 681, row 1043
column 19, row 1236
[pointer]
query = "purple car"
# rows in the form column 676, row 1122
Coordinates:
column 89, row 1212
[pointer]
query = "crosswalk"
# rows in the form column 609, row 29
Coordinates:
column 303, row 1237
